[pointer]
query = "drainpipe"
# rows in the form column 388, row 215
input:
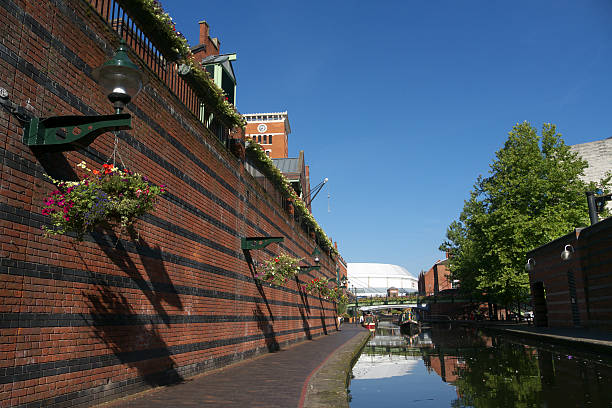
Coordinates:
column 592, row 208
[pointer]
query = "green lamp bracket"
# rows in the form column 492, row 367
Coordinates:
column 309, row 268
column 72, row 132
column 249, row 243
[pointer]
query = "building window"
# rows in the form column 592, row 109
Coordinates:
column 270, row 139
column 268, row 151
column 265, row 139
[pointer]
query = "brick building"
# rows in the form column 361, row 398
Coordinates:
column 574, row 292
column 85, row 322
column 271, row 131
column 436, row 279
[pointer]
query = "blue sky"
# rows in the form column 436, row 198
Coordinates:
column 402, row 104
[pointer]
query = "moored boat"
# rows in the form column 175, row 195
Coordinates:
column 369, row 322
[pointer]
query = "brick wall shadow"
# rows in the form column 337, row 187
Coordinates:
column 303, row 294
column 258, row 283
column 322, row 316
column 153, row 264
column 158, row 287
column 266, row 328
column 55, row 164
column 305, row 308
column 133, row 342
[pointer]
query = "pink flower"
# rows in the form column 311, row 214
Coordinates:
column 138, row 192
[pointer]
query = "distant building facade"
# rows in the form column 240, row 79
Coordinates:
column 271, row 131
column 599, row 156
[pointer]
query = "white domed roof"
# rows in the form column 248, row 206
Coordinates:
column 377, row 269
column 373, row 279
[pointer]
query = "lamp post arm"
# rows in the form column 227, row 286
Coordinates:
column 72, row 132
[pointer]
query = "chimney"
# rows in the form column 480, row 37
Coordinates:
column 203, row 32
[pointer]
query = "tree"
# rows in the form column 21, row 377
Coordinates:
column 533, row 195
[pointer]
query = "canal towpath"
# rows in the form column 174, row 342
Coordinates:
column 311, row 374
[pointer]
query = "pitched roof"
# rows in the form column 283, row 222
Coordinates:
column 287, row 165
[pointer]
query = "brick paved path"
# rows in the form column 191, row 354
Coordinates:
column 273, row 380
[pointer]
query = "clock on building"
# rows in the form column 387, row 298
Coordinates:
column 261, row 128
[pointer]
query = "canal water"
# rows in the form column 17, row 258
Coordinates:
column 448, row 366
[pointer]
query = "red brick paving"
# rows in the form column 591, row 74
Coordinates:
column 273, row 380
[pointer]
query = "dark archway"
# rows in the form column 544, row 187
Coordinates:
column 539, row 305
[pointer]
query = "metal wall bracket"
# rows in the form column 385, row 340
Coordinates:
column 306, row 269
column 258, row 242
column 72, row 132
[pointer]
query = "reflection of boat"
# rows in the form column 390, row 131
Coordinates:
column 370, row 322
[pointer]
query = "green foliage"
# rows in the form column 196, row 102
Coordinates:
column 160, row 28
column 533, row 195
column 104, row 196
column 257, row 156
column 279, row 269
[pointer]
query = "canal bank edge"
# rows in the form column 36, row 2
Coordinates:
column 591, row 341
column 328, row 386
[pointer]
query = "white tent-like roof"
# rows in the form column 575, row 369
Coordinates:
column 373, row 279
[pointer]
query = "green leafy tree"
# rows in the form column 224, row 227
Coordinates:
column 533, row 195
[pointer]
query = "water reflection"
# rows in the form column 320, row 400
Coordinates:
column 447, row 366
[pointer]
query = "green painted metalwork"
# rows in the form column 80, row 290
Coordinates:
column 258, row 242
column 309, row 268
column 72, row 132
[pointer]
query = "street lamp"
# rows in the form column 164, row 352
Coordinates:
column 120, row 77
column 596, row 204
column 122, row 80
column 530, row 265
column 316, row 254
column 567, row 253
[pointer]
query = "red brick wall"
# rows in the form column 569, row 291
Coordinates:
column 89, row 321
column 279, row 147
column 586, row 278
column 434, row 280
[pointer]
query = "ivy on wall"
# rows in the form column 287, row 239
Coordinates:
column 160, row 29
column 258, row 157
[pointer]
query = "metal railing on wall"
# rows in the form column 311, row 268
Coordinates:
column 120, row 21
column 126, row 27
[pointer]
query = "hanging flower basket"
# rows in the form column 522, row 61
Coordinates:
column 106, row 196
column 318, row 287
column 279, row 269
